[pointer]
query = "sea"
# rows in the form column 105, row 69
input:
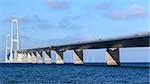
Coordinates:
column 89, row 73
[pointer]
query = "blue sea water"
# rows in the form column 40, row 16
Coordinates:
column 74, row 74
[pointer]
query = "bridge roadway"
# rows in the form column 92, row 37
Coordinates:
column 112, row 56
column 138, row 40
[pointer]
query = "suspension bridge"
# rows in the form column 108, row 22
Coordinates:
column 35, row 55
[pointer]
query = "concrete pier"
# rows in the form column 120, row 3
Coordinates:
column 78, row 57
column 33, row 55
column 59, row 57
column 29, row 58
column 39, row 57
column 15, row 57
column 47, row 59
column 19, row 58
column 24, row 58
column 112, row 57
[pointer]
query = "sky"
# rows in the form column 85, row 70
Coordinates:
column 51, row 22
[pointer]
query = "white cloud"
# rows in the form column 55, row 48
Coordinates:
column 57, row 5
column 118, row 15
column 135, row 10
column 138, row 10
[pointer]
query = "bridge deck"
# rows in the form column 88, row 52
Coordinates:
column 138, row 40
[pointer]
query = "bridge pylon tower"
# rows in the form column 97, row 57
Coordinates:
column 14, row 41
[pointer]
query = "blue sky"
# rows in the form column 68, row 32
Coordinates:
column 49, row 22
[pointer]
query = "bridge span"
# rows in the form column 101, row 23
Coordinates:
column 112, row 46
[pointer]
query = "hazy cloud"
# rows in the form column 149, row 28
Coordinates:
column 45, row 25
column 24, row 19
column 118, row 15
column 100, row 6
column 70, row 22
column 138, row 10
column 55, row 4
column 25, row 37
column 34, row 20
column 8, row 19
column 69, row 39
column 135, row 10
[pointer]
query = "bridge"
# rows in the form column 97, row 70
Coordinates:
column 112, row 46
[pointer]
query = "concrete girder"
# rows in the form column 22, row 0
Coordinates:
column 29, row 57
column 33, row 55
column 59, row 57
column 47, row 59
column 78, row 57
column 19, row 58
column 112, row 57
column 39, row 57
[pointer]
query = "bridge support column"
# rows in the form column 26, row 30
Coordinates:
column 39, row 57
column 33, row 55
column 19, row 58
column 24, row 58
column 15, row 57
column 112, row 57
column 78, row 57
column 47, row 59
column 59, row 57
column 29, row 58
